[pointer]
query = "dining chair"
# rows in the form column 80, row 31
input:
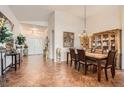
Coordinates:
column 109, row 63
column 73, row 56
column 82, row 60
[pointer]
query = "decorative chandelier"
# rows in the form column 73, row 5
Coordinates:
column 84, row 30
column 84, row 39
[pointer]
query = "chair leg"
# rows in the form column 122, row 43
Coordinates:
column 94, row 68
column 106, row 74
column 83, row 66
column 79, row 66
column 71, row 63
column 85, row 69
column 75, row 65
column 90, row 67
column 113, row 72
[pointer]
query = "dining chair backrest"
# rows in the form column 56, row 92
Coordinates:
column 81, row 54
column 111, row 58
column 72, row 53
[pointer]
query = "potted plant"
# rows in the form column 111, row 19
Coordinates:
column 5, row 35
column 20, row 39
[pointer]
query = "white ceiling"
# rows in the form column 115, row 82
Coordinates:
column 31, row 27
column 42, row 12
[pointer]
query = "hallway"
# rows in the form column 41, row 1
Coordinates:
column 35, row 72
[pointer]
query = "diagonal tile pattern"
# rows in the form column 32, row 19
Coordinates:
column 36, row 72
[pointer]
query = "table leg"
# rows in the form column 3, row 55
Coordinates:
column 19, row 60
column 12, row 60
column 67, row 57
column 15, row 63
column 99, row 70
column 1, row 64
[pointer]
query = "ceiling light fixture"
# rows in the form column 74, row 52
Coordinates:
column 35, row 29
column 84, row 23
column 84, row 39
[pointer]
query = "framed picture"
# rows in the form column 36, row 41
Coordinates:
column 4, row 21
column 68, row 39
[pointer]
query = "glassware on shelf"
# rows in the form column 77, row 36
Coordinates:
column 104, row 43
column 113, row 44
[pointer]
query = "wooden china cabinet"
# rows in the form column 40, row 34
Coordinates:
column 108, row 40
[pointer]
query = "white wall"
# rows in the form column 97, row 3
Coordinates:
column 65, row 22
column 106, row 19
column 51, row 26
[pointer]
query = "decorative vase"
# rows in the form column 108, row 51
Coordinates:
column 58, row 54
column 25, row 51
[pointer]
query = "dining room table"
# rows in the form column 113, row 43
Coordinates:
column 96, row 57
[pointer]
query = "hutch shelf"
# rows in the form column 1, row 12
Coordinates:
column 108, row 40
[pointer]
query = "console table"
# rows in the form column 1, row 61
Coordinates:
column 14, row 59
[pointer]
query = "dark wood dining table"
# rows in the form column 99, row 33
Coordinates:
column 97, row 57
